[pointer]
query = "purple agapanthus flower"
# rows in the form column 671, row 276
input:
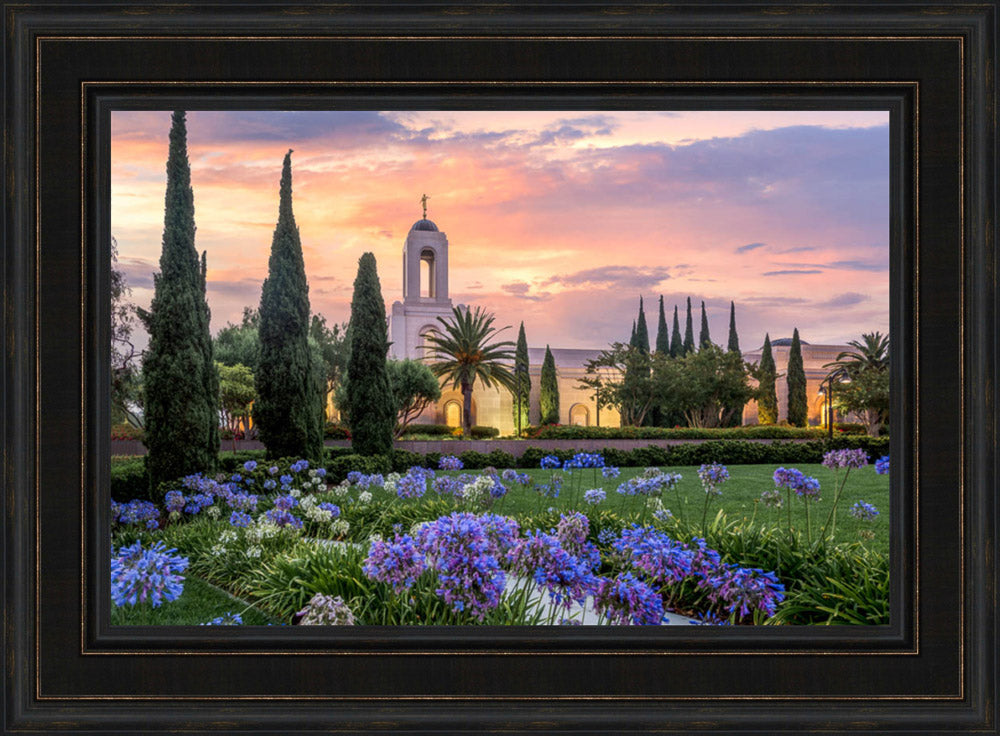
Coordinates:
column 450, row 462
column 864, row 511
column 627, row 600
column 836, row 459
column 398, row 563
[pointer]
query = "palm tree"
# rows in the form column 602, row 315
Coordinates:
column 870, row 354
column 462, row 352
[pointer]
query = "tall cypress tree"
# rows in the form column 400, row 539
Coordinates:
column 522, row 380
column 767, row 398
column 641, row 331
column 662, row 333
column 371, row 412
column 798, row 405
column 180, row 380
column 549, row 390
column 287, row 410
column 734, row 339
column 676, row 346
column 689, row 332
column 736, row 418
column 631, row 339
column 704, row 339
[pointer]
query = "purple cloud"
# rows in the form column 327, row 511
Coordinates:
column 749, row 247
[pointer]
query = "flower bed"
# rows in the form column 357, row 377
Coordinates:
column 443, row 545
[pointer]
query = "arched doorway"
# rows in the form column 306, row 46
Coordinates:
column 579, row 415
column 453, row 414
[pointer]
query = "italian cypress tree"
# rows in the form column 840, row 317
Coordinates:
column 180, row 379
column 287, row 410
column 676, row 346
column 549, row 390
column 798, row 405
column 736, row 418
column 522, row 380
column 704, row 339
column 767, row 399
column 689, row 332
column 372, row 412
column 631, row 339
column 734, row 339
column 662, row 332
column 641, row 331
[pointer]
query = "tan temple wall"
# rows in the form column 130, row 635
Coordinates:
column 813, row 359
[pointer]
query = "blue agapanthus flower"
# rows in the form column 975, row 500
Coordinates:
column 139, row 575
column 882, row 465
column 550, row 462
column 864, row 511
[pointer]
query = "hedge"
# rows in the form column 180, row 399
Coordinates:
column 755, row 432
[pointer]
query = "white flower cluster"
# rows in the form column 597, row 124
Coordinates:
column 263, row 528
column 341, row 490
column 339, row 528
column 365, row 497
column 477, row 493
column 313, row 512
column 213, row 512
column 660, row 512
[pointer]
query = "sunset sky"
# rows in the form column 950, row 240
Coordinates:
column 559, row 219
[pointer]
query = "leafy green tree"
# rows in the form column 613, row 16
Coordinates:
column 287, row 411
column 689, row 332
column 548, row 395
column 414, row 388
column 862, row 385
column 180, row 382
column 702, row 386
column 463, row 352
column 331, row 345
column 704, row 339
column 369, row 406
column 662, row 332
column 236, row 396
column 736, row 416
column 798, row 405
column 867, row 395
column 766, row 374
column 239, row 344
column 522, row 381
column 620, row 378
column 676, row 345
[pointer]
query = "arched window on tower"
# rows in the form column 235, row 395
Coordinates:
column 428, row 276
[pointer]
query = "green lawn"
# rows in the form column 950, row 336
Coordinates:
column 199, row 603
column 740, row 495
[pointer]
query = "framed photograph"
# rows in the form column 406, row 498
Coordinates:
column 228, row 400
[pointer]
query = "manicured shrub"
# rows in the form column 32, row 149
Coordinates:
column 500, row 459
column 484, row 433
column 571, row 432
column 403, row 460
column 429, row 429
column 340, row 466
column 229, row 462
column 126, row 432
column 334, row 431
column 129, row 480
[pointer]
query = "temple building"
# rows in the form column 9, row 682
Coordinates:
column 425, row 298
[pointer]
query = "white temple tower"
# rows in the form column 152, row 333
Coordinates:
column 425, row 290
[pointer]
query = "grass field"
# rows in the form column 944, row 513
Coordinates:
column 199, row 603
column 739, row 499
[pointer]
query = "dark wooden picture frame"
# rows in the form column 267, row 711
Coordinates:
column 934, row 668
